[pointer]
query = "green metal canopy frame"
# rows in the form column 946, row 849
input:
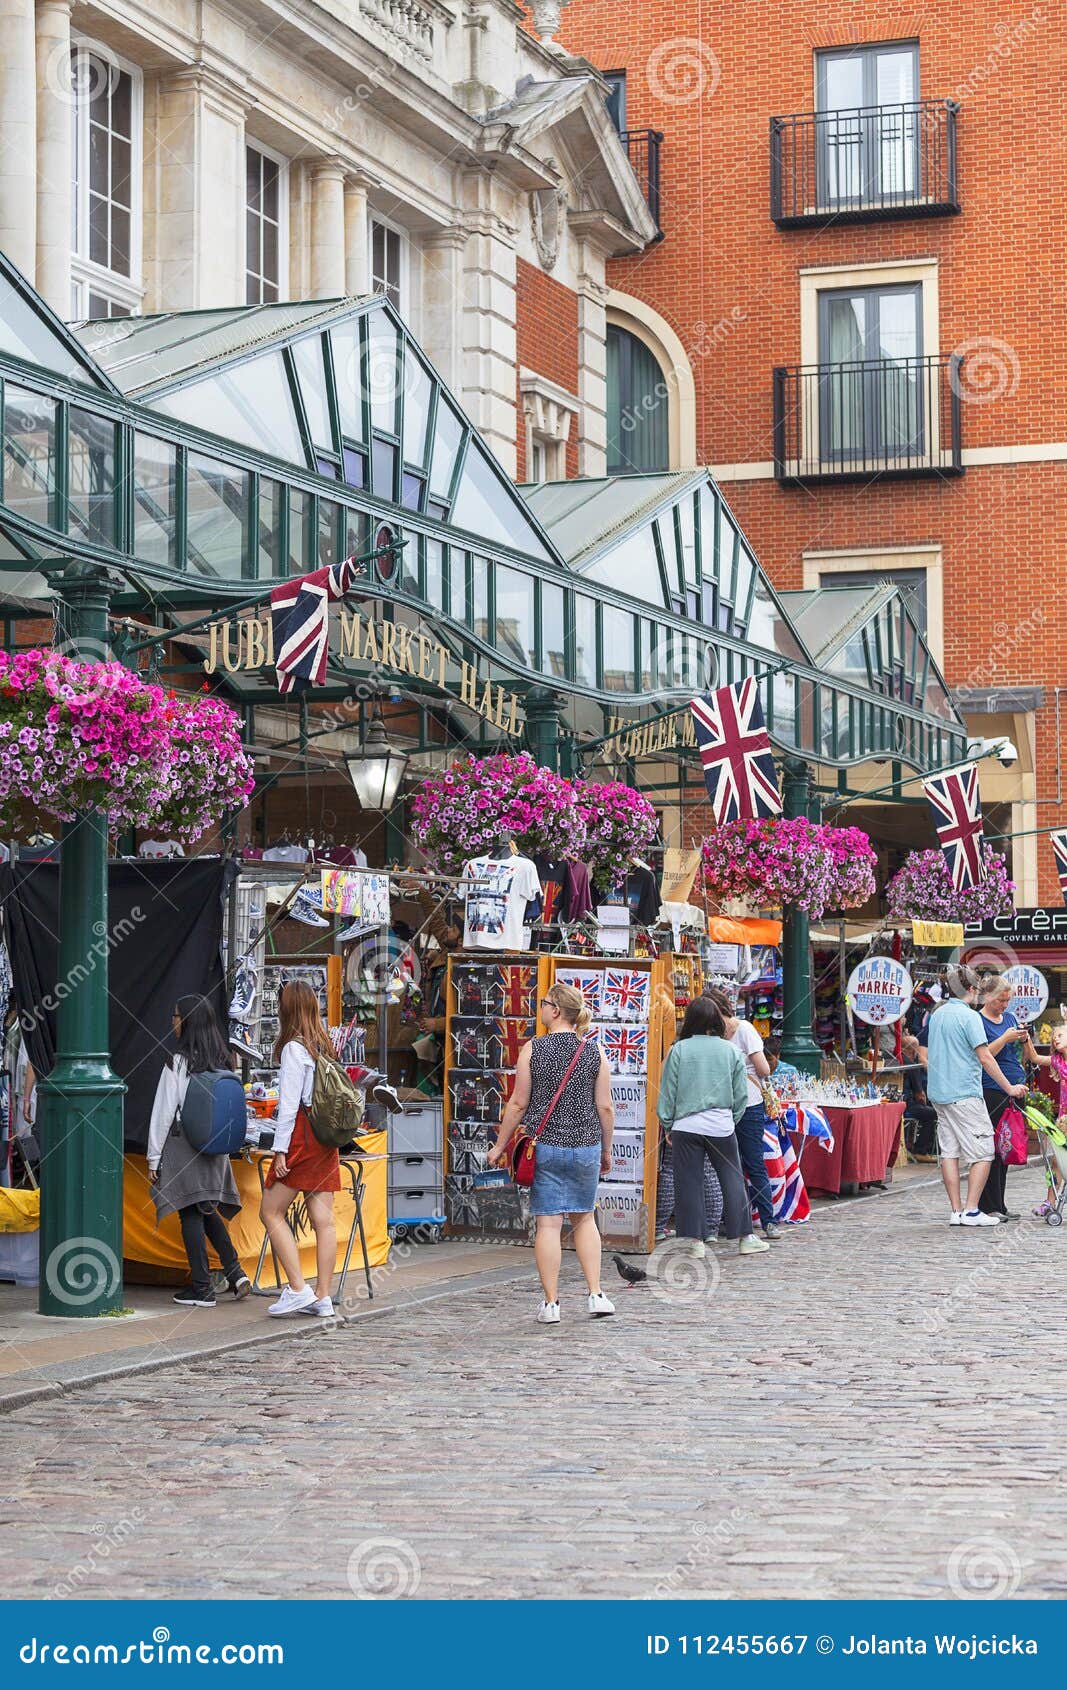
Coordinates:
column 185, row 463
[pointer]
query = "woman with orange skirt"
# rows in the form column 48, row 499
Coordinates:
column 301, row 1164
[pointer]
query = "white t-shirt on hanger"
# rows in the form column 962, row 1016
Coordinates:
column 497, row 891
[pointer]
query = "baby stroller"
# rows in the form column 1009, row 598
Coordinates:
column 1052, row 1141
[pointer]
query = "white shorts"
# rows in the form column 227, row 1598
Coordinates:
column 964, row 1130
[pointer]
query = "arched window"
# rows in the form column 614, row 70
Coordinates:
column 638, row 400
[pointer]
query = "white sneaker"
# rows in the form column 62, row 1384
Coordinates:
column 975, row 1217
column 322, row 1306
column 752, row 1246
column 294, row 1302
column 599, row 1305
column 548, row 1314
column 712, row 1238
column 695, row 1247
column 956, row 1218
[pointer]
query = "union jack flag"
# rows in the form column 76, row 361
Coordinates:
column 511, row 1036
column 810, row 1122
column 957, row 808
column 735, row 750
column 300, row 621
column 588, row 981
column 788, row 1191
column 624, row 995
column 626, row 1048
column 517, row 985
column 1059, row 851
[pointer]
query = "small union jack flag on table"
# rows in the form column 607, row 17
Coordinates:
column 735, row 750
column 624, row 995
column 953, row 797
column 1059, row 851
column 626, row 1048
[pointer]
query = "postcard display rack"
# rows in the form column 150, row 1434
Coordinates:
column 492, row 1011
column 323, row 977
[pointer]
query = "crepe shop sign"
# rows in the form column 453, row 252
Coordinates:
column 247, row 643
column 879, row 990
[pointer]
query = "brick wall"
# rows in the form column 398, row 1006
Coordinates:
column 546, row 315
column 728, row 281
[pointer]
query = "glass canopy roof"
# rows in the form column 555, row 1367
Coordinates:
column 203, row 456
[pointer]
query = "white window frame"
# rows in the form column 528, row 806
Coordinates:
column 834, row 278
column 403, row 305
column 86, row 275
column 283, row 217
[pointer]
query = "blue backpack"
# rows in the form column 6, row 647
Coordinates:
column 213, row 1118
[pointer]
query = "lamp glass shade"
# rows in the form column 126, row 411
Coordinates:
column 376, row 770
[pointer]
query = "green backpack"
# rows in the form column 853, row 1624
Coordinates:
column 337, row 1105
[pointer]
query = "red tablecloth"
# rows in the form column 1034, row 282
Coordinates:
column 865, row 1145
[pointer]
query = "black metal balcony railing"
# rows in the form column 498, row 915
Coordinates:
column 884, row 417
column 871, row 162
column 642, row 149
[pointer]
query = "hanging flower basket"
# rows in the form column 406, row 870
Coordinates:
column 481, row 800
column 922, row 890
column 808, row 865
column 619, row 824
column 94, row 736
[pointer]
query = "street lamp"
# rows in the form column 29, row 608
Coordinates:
column 376, row 769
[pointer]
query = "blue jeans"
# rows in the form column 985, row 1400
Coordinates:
column 750, row 1143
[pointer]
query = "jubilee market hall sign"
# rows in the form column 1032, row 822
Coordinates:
column 247, row 643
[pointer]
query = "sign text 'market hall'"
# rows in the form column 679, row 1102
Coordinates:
column 247, row 642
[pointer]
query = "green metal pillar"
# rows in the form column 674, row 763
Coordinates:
column 798, row 1046
column 543, row 726
column 81, row 1099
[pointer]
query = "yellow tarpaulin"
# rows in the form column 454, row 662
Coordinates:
column 20, row 1211
column 161, row 1246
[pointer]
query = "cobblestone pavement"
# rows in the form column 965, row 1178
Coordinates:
column 875, row 1408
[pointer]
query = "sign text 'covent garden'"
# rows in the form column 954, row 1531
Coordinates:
column 247, row 642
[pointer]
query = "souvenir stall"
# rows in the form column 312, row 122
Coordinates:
column 492, row 1012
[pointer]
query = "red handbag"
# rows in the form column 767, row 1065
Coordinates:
column 522, row 1155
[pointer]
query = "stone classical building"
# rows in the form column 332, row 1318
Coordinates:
column 197, row 154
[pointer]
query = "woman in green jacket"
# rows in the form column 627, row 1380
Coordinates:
column 703, row 1094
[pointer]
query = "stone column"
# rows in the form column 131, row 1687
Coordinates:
column 442, row 301
column 592, row 367
column 54, row 163
column 327, row 228
column 18, row 134
column 357, row 236
column 489, row 362
column 199, row 178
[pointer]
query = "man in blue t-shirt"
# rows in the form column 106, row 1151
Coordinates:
column 958, row 1051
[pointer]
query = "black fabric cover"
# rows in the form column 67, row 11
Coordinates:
column 166, row 919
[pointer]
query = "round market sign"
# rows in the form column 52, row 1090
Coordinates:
column 879, row 990
column 1029, row 991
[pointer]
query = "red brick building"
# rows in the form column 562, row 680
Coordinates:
column 855, row 318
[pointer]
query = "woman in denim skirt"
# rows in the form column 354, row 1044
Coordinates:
column 573, row 1147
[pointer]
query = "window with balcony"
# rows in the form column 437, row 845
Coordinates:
column 106, row 210
column 638, row 398
column 871, row 398
column 875, row 402
column 871, row 148
column 616, row 100
column 265, row 226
